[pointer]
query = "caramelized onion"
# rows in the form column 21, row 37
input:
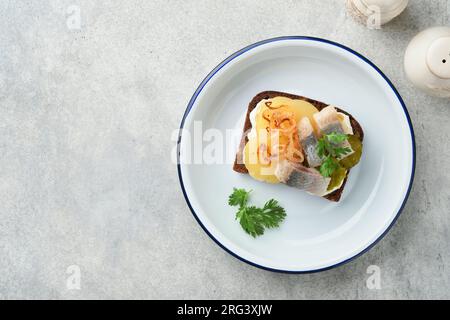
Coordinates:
column 280, row 117
column 284, row 137
column 278, row 150
column 263, row 154
column 267, row 114
column 293, row 153
column 270, row 105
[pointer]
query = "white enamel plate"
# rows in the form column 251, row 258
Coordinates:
column 317, row 234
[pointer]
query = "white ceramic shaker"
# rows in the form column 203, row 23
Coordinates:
column 375, row 13
column 427, row 61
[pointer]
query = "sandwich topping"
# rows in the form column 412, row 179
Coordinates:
column 309, row 142
column 301, row 177
column 274, row 136
column 292, row 142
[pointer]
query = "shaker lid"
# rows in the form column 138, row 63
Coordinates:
column 438, row 57
column 391, row 7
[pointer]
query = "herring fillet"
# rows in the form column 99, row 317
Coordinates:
column 309, row 142
column 301, row 177
column 328, row 121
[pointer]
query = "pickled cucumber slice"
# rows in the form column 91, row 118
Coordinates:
column 337, row 177
column 348, row 162
column 353, row 159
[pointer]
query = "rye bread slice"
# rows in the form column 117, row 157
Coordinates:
column 239, row 165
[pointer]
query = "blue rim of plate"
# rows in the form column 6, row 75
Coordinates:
column 302, row 38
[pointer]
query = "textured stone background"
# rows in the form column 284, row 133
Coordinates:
column 86, row 117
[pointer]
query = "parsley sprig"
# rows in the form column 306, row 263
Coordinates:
column 239, row 197
column 252, row 219
column 329, row 148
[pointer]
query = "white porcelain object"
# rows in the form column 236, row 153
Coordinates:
column 317, row 234
column 427, row 61
column 373, row 12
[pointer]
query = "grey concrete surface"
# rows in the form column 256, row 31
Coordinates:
column 85, row 171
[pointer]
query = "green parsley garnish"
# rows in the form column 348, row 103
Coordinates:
column 329, row 165
column 239, row 197
column 329, row 148
column 255, row 220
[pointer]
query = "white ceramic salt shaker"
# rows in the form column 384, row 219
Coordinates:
column 427, row 61
column 374, row 13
